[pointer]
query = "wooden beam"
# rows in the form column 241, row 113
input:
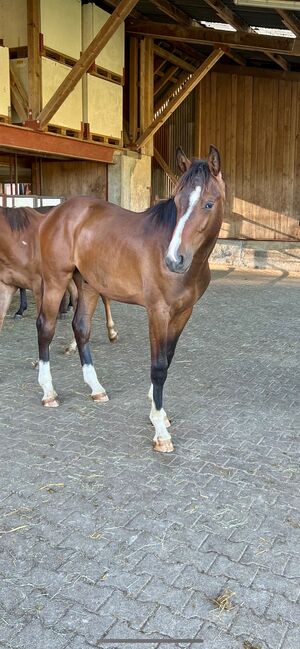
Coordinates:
column 174, row 12
column 228, row 16
column 290, row 20
column 19, row 97
column 146, row 90
column 162, row 163
column 133, row 88
column 25, row 139
column 87, row 58
column 199, row 73
column 231, row 18
column 267, row 73
column 167, row 77
column 34, row 59
column 176, row 60
column 204, row 36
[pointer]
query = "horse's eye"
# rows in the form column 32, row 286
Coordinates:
column 208, row 205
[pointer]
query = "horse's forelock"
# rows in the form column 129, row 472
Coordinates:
column 197, row 174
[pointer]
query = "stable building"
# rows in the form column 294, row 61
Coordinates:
column 95, row 98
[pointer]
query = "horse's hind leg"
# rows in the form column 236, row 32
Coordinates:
column 23, row 304
column 86, row 305
column 46, row 323
column 6, row 295
column 112, row 332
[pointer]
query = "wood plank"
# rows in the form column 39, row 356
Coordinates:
column 238, row 40
column 167, row 77
column 34, row 59
column 146, row 90
column 176, row 101
column 133, row 89
column 87, row 58
column 176, row 60
column 18, row 96
column 173, row 12
column 18, row 137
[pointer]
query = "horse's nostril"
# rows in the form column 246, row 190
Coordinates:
column 180, row 261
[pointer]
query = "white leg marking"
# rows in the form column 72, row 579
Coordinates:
column 90, row 377
column 153, row 410
column 176, row 239
column 45, row 381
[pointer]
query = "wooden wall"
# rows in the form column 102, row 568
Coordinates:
column 255, row 122
column 74, row 177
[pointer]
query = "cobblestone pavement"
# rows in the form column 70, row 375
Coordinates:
column 101, row 538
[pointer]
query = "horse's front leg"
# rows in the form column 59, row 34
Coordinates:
column 158, row 329
column 86, row 305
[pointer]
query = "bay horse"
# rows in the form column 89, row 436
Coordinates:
column 157, row 259
column 20, row 261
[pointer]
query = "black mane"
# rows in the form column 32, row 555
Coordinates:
column 16, row 217
column 163, row 215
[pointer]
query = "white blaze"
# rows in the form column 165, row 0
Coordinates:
column 176, row 239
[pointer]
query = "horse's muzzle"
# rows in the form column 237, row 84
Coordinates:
column 178, row 265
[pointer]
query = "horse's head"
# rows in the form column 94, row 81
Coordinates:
column 199, row 197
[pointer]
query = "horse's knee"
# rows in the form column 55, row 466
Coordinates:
column 45, row 329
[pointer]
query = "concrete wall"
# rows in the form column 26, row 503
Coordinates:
column 129, row 181
column 278, row 255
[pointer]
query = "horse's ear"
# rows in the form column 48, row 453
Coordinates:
column 183, row 162
column 214, row 161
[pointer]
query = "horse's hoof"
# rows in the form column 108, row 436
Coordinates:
column 101, row 396
column 50, row 403
column 163, row 446
column 18, row 316
column 113, row 338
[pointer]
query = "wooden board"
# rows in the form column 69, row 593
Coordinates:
column 103, row 101
column 255, row 122
column 112, row 56
column 68, row 178
column 13, row 22
column 4, row 83
column 61, row 26
column 70, row 113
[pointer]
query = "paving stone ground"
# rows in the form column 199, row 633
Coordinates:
column 101, row 538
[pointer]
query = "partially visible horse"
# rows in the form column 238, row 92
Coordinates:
column 157, row 259
column 20, row 260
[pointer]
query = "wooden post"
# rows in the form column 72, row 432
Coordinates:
column 34, row 59
column 199, row 73
column 87, row 58
column 146, row 90
column 133, row 89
